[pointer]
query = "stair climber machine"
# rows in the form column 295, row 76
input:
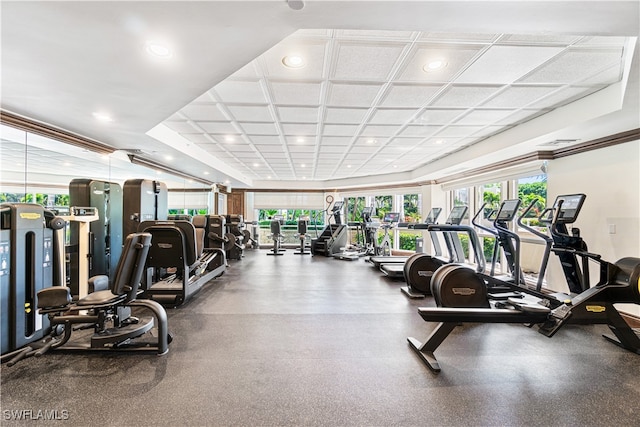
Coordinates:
column 393, row 266
column 179, row 264
column 618, row 282
column 334, row 236
column 418, row 268
column 379, row 259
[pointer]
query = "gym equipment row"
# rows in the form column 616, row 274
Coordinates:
column 180, row 260
column 33, row 277
column 463, row 295
column 277, row 237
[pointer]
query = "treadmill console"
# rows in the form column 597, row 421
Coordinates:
column 391, row 217
column 456, row 215
column 433, row 215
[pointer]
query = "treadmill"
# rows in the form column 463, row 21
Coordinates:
column 431, row 218
column 457, row 214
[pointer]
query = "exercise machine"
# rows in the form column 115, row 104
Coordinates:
column 334, row 236
column 619, row 282
column 26, row 267
column 107, row 312
column 431, row 218
column 302, row 236
column 179, row 264
column 143, row 200
column 419, row 267
column 276, row 235
column 105, row 232
column 235, row 224
column 394, row 266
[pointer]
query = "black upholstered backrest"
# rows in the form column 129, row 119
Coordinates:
column 200, row 224
column 275, row 227
column 173, row 242
column 131, row 265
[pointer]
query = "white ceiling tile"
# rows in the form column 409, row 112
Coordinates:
column 259, row 128
column 239, row 148
column 246, row 92
column 339, row 130
column 405, row 95
column 352, row 95
column 419, row 130
column 380, row 130
column 518, row 96
column 299, row 128
column 345, row 115
column 560, row 97
column 537, row 39
column 520, row 116
column 293, row 93
column 302, row 149
column 436, row 116
column 334, row 140
column 298, row 114
column 455, row 56
column 457, row 131
column 464, row 96
column 365, row 61
column 506, row 64
column 483, row 117
column 250, row 113
column 218, row 127
column 373, row 35
column 198, row 138
column 394, row 116
column 265, row 139
column 562, row 69
column 368, row 149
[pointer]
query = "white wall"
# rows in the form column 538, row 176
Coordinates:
column 610, row 178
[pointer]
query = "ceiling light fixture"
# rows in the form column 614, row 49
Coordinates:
column 229, row 139
column 440, row 141
column 296, row 4
column 434, row 65
column 158, row 50
column 293, row 61
column 103, row 117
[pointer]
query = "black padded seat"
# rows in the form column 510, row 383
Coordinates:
column 128, row 273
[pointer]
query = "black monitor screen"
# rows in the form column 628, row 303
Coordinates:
column 508, row 210
column 457, row 215
column 337, row 206
column 433, row 215
column 391, row 217
column 571, row 205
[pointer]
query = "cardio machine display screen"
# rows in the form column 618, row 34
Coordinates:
column 433, row 216
column 508, row 210
column 391, row 217
column 457, row 214
column 571, row 205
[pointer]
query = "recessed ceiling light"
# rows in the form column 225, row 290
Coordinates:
column 206, row 172
column 300, row 140
column 168, row 158
column 229, row 139
column 268, row 176
column 302, row 165
column 103, row 117
column 372, row 141
column 440, row 141
column 348, row 166
column 158, row 49
column 434, row 65
column 255, row 165
column 226, row 181
column 395, row 166
column 293, row 61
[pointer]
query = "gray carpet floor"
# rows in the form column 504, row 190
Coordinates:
column 313, row 341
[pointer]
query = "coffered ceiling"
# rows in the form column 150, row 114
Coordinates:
column 388, row 92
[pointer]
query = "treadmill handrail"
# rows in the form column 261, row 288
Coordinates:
column 473, row 238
